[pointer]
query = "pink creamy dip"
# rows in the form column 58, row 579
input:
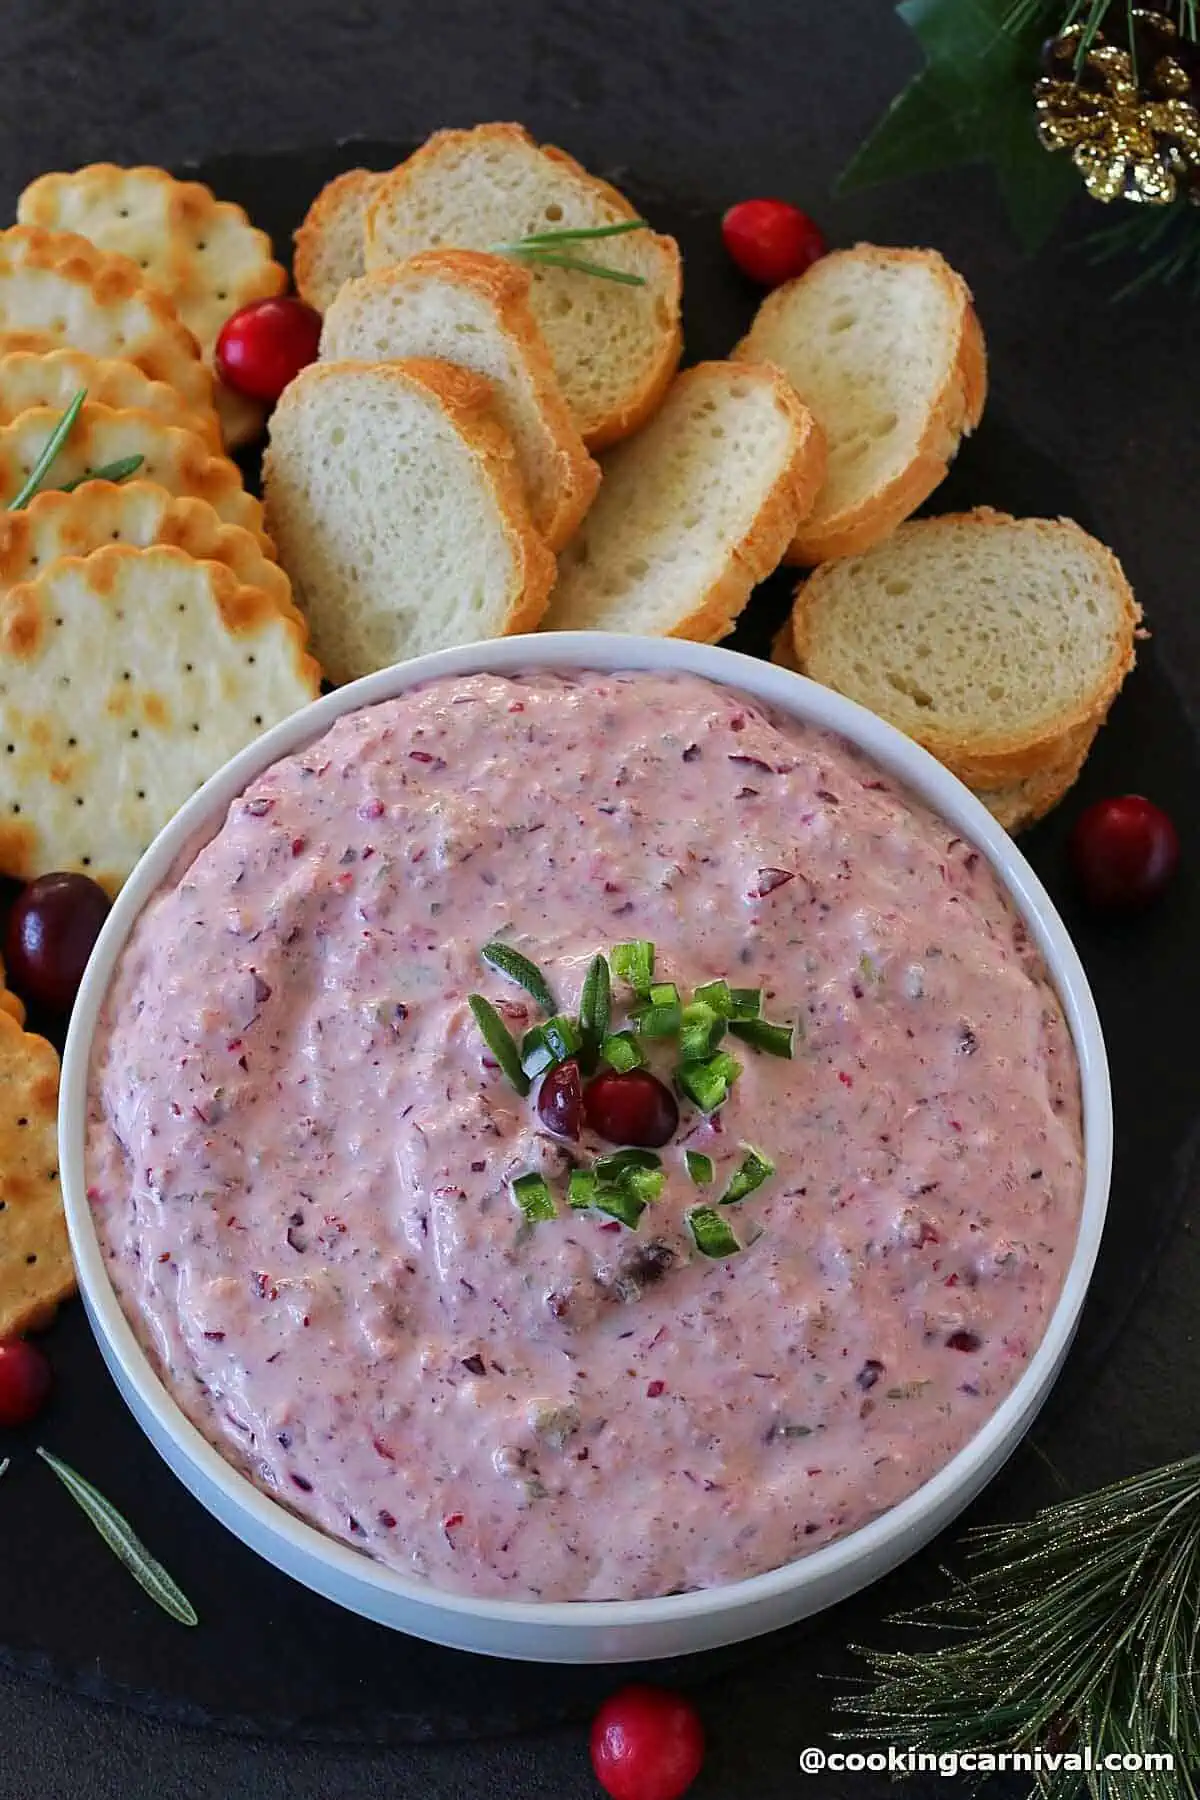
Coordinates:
column 299, row 1149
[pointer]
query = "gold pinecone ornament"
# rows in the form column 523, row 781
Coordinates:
column 1128, row 114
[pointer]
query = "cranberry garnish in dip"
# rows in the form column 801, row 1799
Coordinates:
column 512, row 1107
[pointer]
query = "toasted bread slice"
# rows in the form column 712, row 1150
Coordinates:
column 329, row 244
column 988, row 639
column 177, row 460
column 30, row 378
column 1016, row 805
column 465, row 307
column 614, row 347
column 138, row 513
column 201, row 252
column 1023, row 803
column 695, row 510
column 885, row 348
column 400, row 514
column 57, row 288
column 127, row 678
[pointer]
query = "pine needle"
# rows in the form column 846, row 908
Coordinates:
column 1079, row 1627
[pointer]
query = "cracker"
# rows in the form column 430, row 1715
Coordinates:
column 176, row 460
column 58, row 286
column 203, row 253
column 36, row 1272
column 127, row 678
column 10, row 1003
column 53, row 377
column 139, row 513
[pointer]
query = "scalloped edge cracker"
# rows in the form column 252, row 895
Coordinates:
column 36, row 1271
column 127, row 678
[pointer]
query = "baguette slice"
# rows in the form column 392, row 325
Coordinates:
column 400, row 513
column 1018, row 804
column 614, row 347
column 988, row 639
column 465, row 307
column 885, row 347
column 329, row 244
column 695, row 510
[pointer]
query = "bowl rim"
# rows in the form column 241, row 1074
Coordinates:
column 604, row 652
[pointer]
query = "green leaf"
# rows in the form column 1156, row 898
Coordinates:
column 124, row 1542
column 921, row 131
column 973, row 102
column 1037, row 184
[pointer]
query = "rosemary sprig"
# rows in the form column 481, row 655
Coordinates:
column 123, row 1541
column 544, row 247
column 1078, row 1628
column 121, row 470
column 54, row 444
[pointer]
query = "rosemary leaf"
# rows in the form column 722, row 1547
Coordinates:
column 120, row 470
column 54, row 444
column 5, row 1466
column 124, row 1543
column 573, row 234
column 550, row 259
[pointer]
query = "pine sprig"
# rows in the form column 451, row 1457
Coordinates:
column 1080, row 1627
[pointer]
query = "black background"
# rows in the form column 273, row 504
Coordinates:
column 1092, row 411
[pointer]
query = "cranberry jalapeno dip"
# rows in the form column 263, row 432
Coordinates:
column 445, row 1319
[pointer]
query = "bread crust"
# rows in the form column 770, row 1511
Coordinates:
column 761, row 549
column 505, row 286
column 1016, row 805
column 640, row 403
column 1002, row 758
column 325, row 211
column 955, row 413
column 466, row 399
column 758, row 552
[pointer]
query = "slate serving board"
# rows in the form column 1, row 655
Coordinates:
column 269, row 1658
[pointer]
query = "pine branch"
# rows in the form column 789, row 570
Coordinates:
column 1079, row 1627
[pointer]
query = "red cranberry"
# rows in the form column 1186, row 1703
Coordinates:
column 265, row 345
column 1124, row 852
column 560, row 1099
column 647, row 1744
column 771, row 241
column 52, row 929
column 631, row 1108
column 25, row 1382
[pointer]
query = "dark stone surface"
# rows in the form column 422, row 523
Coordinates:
column 1092, row 411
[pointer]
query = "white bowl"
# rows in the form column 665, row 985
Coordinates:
column 587, row 1631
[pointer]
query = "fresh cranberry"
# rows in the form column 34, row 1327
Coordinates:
column 51, row 932
column 631, row 1108
column 560, row 1099
column 771, row 241
column 1124, row 852
column 647, row 1744
column 265, row 345
column 25, row 1382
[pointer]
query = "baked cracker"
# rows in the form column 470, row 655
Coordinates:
column 136, row 512
column 53, row 377
column 127, row 678
column 58, row 286
column 203, row 253
column 36, row 1272
column 176, row 460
